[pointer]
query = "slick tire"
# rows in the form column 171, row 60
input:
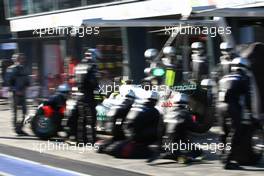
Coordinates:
column 45, row 128
column 204, row 112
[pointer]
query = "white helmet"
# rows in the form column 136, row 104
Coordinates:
column 169, row 51
column 147, row 70
column 197, row 46
column 152, row 95
column 126, row 91
column 180, row 98
column 151, row 53
column 240, row 63
column 208, row 83
column 226, row 46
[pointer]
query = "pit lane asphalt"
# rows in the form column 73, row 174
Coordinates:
column 57, row 163
column 99, row 164
column 11, row 155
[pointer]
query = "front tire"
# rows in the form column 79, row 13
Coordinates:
column 203, row 109
column 45, row 127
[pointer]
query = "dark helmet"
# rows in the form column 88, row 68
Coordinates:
column 151, row 53
column 90, row 55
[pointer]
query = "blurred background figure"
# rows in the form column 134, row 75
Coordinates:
column 33, row 92
column 18, row 81
column 5, row 63
column 72, row 63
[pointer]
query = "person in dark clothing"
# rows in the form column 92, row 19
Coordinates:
column 117, row 115
column 143, row 120
column 224, row 67
column 199, row 61
column 86, row 80
column 178, row 122
column 18, row 81
column 172, row 65
column 234, row 108
column 58, row 100
column 141, row 129
column 254, row 52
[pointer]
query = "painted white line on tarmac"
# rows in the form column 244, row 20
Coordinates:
column 43, row 165
column 5, row 174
